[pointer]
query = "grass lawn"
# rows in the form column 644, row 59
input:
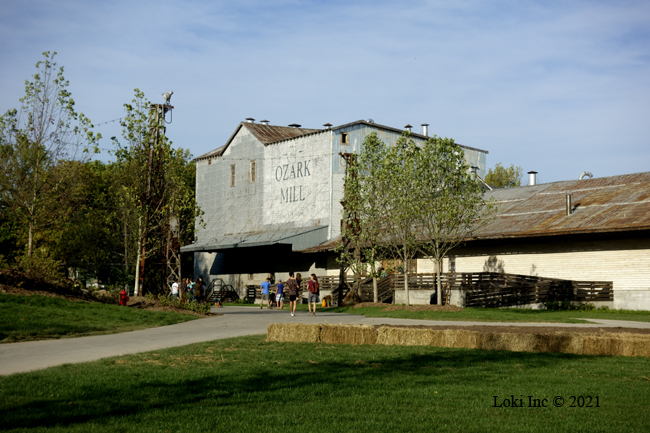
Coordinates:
column 498, row 315
column 39, row 317
column 250, row 385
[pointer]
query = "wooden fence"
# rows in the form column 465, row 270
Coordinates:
column 486, row 289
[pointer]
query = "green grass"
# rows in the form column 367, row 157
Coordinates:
column 250, row 385
column 499, row 315
column 40, row 317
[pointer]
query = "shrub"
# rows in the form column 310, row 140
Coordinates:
column 568, row 306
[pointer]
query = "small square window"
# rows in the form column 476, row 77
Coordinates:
column 232, row 174
column 250, row 276
column 345, row 139
column 209, row 161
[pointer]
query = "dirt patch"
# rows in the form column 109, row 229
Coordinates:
column 139, row 302
column 525, row 329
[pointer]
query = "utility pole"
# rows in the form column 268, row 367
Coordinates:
column 153, row 197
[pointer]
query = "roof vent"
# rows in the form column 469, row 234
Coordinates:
column 371, row 121
column 586, row 173
column 425, row 129
column 532, row 178
column 295, row 125
column 264, row 122
column 250, row 120
column 569, row 204
column 408, row 128
column 328, row 126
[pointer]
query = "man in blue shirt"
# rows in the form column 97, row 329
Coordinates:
column 279, row 296
column 266, row 285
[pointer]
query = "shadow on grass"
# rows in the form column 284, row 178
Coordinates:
column 277, row 372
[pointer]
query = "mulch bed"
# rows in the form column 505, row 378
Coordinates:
column 139, row 302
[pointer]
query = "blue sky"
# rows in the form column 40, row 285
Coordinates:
column 552, row 86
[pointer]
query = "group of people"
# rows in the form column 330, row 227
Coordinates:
column 189, row 290
column 293, row 287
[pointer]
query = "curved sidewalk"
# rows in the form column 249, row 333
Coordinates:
column 235, row 322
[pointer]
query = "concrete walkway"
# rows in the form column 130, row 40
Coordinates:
column 235, row 322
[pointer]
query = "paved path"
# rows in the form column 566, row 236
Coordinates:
column 235, row 322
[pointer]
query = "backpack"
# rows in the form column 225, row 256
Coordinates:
column 314, row 287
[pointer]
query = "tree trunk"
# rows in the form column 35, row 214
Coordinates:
column 439, row 281
column 136, row 289
column 30, row 239
column 406, row 279
column 375, row 291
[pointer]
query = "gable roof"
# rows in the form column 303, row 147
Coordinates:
column 599, row 205
column 266, row 134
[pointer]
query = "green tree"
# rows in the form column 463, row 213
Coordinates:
column 365, row 208
column 450, row 200
column 401, row 206
column 502, row 177
column 35, row 143
column 157, row 187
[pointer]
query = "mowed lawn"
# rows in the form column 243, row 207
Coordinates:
column 500, row 314
column 37, row 317
column 250, row 385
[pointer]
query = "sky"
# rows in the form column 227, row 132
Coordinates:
column 552, row 86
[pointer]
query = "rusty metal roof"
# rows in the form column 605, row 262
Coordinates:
column 606, row 204
column 267, row 134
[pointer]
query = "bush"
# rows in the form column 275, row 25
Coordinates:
column 568, row 306
column 40, row 266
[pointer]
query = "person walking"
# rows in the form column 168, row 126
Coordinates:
column 292, row 287
column 312, row 286
column 279, row 295
column 266, row 285
column 175, row 289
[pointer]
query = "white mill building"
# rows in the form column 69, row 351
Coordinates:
column 272, row 191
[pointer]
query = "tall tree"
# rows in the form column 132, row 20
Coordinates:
column 450, row 201
column 158, row 185
column 401, row 203
column 502, row 177
column 35, row 142
column 365, row 207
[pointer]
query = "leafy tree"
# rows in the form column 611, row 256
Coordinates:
column 401, row 205
column 364, row 204
column 450, row 201
column 36, row 188
column 502, row 177
column 158, row 186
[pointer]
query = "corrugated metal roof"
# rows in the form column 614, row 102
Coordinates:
column 267, row 134
column 615, row 203
column 299, row 237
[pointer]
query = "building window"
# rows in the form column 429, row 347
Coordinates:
column 345, row 139
column 251, row 276
column 232, row 174
column 253, row 171
column 209, row 161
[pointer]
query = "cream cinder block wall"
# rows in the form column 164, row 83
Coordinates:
column 625, row 262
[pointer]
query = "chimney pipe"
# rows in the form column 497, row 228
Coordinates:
column 425, row 129
column 408, row 128
column 295, row 125
column 264, row 122
column 328, row 126
column 250, row 120
column 569, row 204
column 532, row 178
